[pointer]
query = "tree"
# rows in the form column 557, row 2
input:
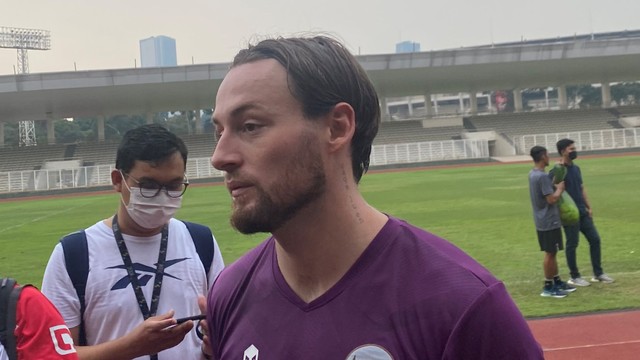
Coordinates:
column 11, row 134
column 626, row 93
column 586, row 95
column 68, row 131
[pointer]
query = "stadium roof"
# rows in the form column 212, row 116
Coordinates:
column 585, row 59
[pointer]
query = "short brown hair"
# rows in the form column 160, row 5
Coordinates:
column 321, row 72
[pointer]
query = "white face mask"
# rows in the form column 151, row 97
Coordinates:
column 150, row 213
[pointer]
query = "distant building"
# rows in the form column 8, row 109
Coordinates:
column 158, row 51
column 407, row 47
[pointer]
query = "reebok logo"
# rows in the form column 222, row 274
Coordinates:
column 143, row 272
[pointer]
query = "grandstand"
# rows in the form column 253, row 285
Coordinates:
column 25, row 169
column 96, row 153
column 90, row 153
column 390, row 132
column 513, row 124
column 409, row 131
column 510, row 124
column 200, row 145
column 29, row 158
column 624, row 111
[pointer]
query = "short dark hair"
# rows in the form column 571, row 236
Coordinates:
column 563, row 144
column 151, row 143
column 321, row 72
column 537, row 152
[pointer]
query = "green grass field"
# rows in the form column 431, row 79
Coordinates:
column 485, row 210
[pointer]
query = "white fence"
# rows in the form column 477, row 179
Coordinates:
column 429, row 151
column 40, row 180
column 37, row 180
column 80, row 177
column 585, row 140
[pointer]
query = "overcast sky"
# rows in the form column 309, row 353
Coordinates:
column 105, row 34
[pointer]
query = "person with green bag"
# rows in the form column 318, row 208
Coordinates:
column 546, row 216
column 585, row 224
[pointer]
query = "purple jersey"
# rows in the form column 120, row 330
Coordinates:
column 410, row 295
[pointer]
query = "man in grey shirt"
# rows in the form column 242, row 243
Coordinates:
column 546, row 215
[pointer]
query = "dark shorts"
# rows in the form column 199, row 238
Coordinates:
column 551, row 240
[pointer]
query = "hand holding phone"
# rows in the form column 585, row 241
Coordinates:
column 195, row 317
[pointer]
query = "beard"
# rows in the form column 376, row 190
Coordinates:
column 301, row 182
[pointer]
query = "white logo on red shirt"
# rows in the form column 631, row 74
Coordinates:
column 62, row 340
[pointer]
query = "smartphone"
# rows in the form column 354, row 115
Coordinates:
column 195, row 317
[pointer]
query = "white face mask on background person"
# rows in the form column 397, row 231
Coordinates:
column 150, row 213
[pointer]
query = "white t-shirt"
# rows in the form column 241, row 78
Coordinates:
column 111, row 307
column 3, row 355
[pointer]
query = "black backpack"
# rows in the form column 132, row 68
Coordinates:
column 9, row 294
column 74, row 246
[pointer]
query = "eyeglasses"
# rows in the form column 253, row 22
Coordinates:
column 150, row 188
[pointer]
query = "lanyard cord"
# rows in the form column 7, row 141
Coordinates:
column 133, row 277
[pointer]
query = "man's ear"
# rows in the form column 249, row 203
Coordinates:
column 342, row 126
column 116, row 180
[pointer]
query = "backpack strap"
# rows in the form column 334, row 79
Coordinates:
column 203, row 240
column 9, row 295
column 76, row 260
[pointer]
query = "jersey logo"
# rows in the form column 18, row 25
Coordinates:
column 62, row 341
column 141, row 268
column 369, row 352
column 251, row 353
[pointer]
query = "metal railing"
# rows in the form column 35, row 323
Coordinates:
column 584, row 140
column 429, row 151
column 199, row 168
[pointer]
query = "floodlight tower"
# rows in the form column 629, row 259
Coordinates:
column 23, row 40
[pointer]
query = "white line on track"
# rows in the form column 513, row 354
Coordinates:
column 41, row 218
column 593, row 345
column 529, row 281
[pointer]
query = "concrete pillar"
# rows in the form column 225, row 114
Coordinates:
column 384, row 111
column 517, row 100
column 461, row 102
column 149, row 118
column 100, row 126
column 410, row 106
column 198, row 120
column 435, row 103
column 51, row 132
column 606, row 95
column 562, row 97
column 1, row 133
column 428, row 107
column 473, row 102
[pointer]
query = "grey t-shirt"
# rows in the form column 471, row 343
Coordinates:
column 545, row 215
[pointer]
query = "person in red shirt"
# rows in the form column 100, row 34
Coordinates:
column 40, row 331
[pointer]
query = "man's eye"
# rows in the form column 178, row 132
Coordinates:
column 175, row 187
column 251, row 127
column 149, row 185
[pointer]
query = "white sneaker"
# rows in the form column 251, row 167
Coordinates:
column 604, row 278
column 578, row 282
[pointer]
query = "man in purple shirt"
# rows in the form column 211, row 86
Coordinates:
column 338, row 279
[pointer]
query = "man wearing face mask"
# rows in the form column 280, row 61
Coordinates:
column 145, row 268
column 575, row 188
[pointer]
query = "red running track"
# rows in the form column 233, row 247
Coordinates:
column 607, row 336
